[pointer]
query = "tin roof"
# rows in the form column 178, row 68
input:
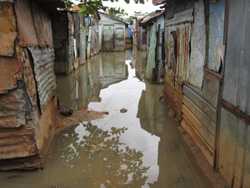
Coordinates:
column 150, row 17
column 114, row 18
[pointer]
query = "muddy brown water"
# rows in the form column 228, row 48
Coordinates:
column 140, row 147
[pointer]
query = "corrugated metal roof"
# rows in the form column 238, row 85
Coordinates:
column 114, row 18
column 147, row 19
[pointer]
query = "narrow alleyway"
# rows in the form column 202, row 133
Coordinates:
column 136, row 145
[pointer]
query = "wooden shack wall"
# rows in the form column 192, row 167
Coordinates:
column 177, row 41
column 191, row 87
column 233, row 159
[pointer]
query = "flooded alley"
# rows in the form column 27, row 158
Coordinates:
column 137, row 144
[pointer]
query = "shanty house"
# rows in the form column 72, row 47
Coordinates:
column 76, row 38
column 154, row 26
column 206, row 74
column 27, row 81
column 113, row 33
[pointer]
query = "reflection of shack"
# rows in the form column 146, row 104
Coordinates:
column 154, row 25
column 75, row 39
column 105, row 70
column 113, row 33
column 27, row 82
column 113, row 70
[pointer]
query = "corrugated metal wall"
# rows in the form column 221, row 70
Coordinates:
column 216, row 34
column 7, row 29
column 43, row 60
column 234, row 137
column 27, row 82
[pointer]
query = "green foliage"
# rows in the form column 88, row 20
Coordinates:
column 90, row 7
column 67, row 3
column 116, row 12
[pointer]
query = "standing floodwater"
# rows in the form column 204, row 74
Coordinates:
column 135, row 145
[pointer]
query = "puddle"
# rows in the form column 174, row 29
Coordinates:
column 139, row 148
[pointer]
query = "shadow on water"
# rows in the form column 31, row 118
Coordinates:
column 139, row 148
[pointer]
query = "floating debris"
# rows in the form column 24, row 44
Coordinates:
column 123, row 110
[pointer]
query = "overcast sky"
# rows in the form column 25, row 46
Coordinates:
column 132, row 6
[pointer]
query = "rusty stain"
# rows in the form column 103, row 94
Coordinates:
column 34, row 25
column 29, row 77
column 43, row 26
column 9, row 74
column 17, row 143
column 12, row 109
column 7, row 30
column 26, row 30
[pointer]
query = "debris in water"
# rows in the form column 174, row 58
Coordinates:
column 123, row 110
column 65, row 111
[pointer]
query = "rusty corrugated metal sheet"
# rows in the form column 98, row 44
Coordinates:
column 34, row 25
column 9, row 73
column 43, row 26
column 7, row 30
column 17, row 143
column 44, row 72
column 12, row 109
column 150, row 17
column 26, row 30
column 29, row 78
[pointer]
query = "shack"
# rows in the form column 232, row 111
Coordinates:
column 206, row 74
column 113, row 33
column 27, row 82
column 191, row 86
column 154, row 26
column 76, row 38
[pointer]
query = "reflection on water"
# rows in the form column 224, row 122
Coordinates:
column 84, row 85
column 139, row 148
column 108, row 162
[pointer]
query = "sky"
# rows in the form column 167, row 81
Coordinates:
column 130, row 8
